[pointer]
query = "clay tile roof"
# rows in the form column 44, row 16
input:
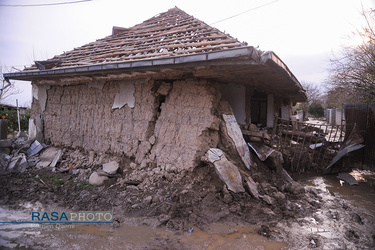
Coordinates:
column 168, row 34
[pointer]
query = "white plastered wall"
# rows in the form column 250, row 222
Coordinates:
column 270, row 110
column 235, row 96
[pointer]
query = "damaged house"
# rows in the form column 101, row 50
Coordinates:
column 159, row 93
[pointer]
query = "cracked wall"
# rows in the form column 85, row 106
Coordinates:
column 170, row 124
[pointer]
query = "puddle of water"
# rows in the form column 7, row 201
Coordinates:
column 103, row 236
column 361, row 196
column 222, row 236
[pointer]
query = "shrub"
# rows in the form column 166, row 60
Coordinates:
column 11, row 115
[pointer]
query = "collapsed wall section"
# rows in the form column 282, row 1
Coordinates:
column 187, row 126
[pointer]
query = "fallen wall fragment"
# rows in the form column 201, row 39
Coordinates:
column 226, row 170
column 234, row 132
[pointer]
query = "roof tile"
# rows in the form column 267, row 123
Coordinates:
column 168, row 34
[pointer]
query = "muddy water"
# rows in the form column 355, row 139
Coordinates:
column 361, row 196
column 127, row 236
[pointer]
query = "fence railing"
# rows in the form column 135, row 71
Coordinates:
column 308, row 146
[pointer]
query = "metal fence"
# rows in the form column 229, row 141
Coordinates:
column 308, row 146
column 364, row 116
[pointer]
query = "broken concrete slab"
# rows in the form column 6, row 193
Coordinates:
column 96, row 179
column 111, row 167
column 226, row 170
column 234, row 132
column 57, row 158
column 35, row 148
column 48, row 156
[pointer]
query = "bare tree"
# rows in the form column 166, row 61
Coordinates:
column 354, row 71
column 315, row 95
column 7, row 88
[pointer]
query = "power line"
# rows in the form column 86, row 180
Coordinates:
column 245, row 12
column 46, row 4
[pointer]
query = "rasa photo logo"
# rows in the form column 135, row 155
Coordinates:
column 72, row 217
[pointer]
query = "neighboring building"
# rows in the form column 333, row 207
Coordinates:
column 156, row 92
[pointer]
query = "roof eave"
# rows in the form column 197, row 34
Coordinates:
column 252, row 55
column 248, row 51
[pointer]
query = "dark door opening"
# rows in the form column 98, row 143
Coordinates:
column 259, row 108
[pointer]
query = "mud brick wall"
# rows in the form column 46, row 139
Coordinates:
column 171, row 124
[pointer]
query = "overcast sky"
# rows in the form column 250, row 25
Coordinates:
column 303, row 33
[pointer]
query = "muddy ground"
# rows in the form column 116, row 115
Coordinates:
column 303, row 215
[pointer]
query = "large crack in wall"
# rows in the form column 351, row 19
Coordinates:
column 165, row 124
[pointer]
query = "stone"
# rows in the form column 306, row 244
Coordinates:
column 252, row 186
column 279, row 196
column 147, row 200
column 96, row 179
column 111, row 167
column 267, row 199
column 133, row 165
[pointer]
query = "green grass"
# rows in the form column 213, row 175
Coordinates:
column 86, row 184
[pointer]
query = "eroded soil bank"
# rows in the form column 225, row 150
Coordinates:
column 318, row 213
